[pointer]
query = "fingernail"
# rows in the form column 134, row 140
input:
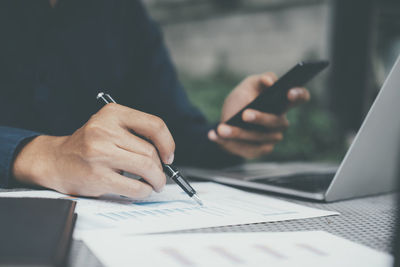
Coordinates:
column 224, row 130
column 212, row 135
column 171, row 159
column 295, row 92
column 161, row 189
column 270, row 80
column 249, row 116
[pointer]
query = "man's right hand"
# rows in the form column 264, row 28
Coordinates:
column 91, row 160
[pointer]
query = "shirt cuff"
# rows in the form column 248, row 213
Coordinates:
column 11, row 142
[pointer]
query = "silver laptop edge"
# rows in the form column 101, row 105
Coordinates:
column 370, row 164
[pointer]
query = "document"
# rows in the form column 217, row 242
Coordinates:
column 173, row 210
column 315, row 248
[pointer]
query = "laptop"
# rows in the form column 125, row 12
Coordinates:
column 368, row 168
column 396, row 238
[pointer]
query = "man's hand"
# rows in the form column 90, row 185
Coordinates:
column 90, row 161
column 252, row 144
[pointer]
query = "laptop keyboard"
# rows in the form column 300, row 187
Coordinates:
column 313, row 183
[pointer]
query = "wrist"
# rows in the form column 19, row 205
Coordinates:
column 33, row 163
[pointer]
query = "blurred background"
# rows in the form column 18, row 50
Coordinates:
column 217, row 43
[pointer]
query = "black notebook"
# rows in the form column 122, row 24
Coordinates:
column 35, row 231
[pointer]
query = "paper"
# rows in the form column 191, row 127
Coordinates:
column 232, row 249
column 173, row 210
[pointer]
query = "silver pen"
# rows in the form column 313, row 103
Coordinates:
column 169, row 169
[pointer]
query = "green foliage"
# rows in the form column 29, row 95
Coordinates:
column 209, row 93
column 313, row 133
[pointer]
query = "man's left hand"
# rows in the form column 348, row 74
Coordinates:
column 253, row 144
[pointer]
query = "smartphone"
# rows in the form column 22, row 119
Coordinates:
column 274, row 99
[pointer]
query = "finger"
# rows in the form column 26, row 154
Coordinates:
column 117, row 184
column 268, row 78
column 271, row 122
column 135, row 144
column 298, row 96
column 140, row 165
column 149, row 126
column 246, row 150
column 235, row 133
column 261, row 82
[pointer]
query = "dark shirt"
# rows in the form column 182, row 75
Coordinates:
column 54, row 61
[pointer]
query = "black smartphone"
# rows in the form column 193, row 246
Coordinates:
column 274, row 99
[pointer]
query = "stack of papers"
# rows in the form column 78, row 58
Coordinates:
column 173, row 210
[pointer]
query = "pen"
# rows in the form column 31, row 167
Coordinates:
column 169, row 169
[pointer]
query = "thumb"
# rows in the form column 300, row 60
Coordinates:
column 253, row 85
column 261, row 82
column 268, row 79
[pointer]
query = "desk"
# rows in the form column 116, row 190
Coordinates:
column 368, row 221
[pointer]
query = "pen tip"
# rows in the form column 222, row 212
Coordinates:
column 198, row 200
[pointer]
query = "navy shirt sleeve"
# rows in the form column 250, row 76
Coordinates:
column 157, row 90
column 81, row 47
column 10, row 139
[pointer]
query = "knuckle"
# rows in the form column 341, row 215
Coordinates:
column 150, row 168
column 157, row 124
column 96, row 130
column 92, row 129
column 109, row 108
column 146, row 164
column 94, row 117
column 92, row 149
column 151, row 152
